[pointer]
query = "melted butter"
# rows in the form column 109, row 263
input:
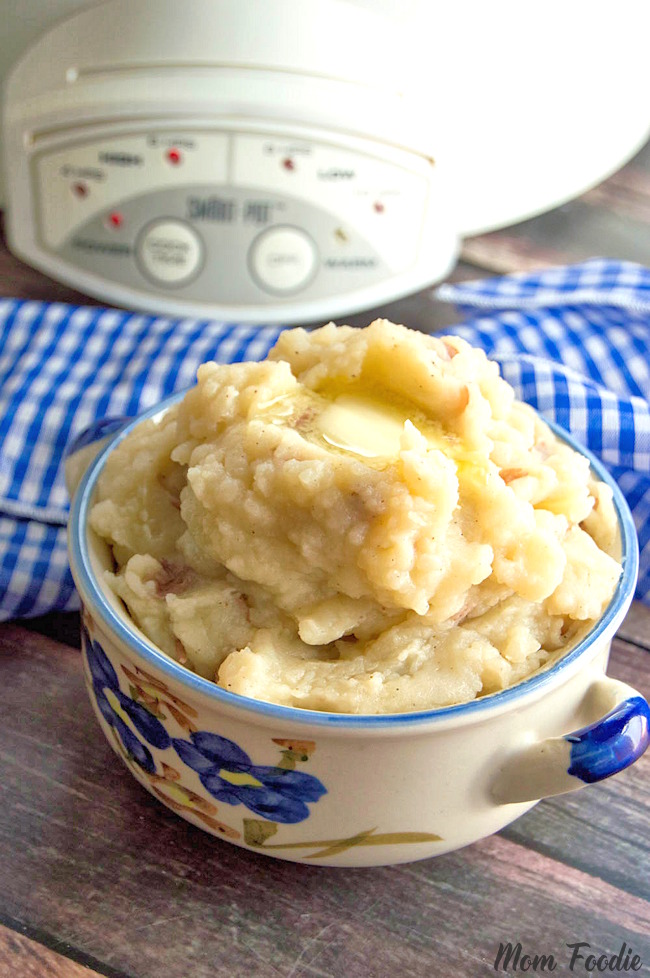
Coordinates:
column 280, row 409
column 368, row 423
column 472, row 470
column 362, row 425
column 358, row 420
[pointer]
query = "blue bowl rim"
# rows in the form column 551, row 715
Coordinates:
column 90, row 589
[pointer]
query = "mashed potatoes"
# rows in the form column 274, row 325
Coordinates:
column 365, row 522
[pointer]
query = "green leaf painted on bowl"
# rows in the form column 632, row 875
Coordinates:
column 256, row 831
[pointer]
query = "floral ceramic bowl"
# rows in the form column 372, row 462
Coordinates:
column 348, row 790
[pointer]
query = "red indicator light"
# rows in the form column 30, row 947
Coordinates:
column 288, row 163
column 115, row 220
column 174, row 157
column 378, row 207
column 80, row 189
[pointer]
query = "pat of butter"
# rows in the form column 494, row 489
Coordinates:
column 361, row 425
column 372, row 429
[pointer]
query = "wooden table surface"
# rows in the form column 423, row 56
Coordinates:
column 96, row 877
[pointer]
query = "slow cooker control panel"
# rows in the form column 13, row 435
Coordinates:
column 230, row 217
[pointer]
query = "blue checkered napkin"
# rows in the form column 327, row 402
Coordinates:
column 593, row 283
column 61, row 368
column 578, row 352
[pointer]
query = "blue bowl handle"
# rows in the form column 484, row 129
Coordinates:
column 86, row 446
column 560, row 764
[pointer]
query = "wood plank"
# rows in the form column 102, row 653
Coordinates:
column 567, row 235
column 88, row 857
column 627, row 192
column 21, row 281
column 572, row 886
column 22, row 957
column 636, row 627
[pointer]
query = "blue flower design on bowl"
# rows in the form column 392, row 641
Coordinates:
column 121, row 712
column 229, row 775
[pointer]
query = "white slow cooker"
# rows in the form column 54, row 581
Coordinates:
column 292, row 160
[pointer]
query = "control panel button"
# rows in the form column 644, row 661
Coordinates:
column 283, row 259
column 169, row 252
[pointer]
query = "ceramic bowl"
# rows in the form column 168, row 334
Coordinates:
column 334, row 789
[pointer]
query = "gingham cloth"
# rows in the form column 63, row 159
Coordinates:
column 574, row 342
